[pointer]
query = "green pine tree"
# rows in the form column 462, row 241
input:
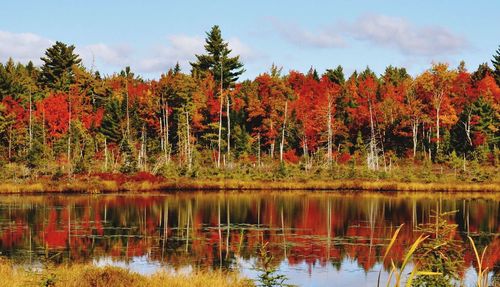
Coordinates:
column 217, row 59
column 481, row 72
column 496, row 65
column 336, row 75
column 129, row 160
column 57, row 70
column 111, row 126
column 17, row 80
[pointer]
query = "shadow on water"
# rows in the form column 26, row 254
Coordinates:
column 308, row 235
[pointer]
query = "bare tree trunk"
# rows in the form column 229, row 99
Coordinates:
column 31, row 123
column 330, row 131
column 10, row 142
column 127, row 109
column 282, row 144
column 105, row 155
column 304, row 149
column 188, row 145
column 162, row 142
column 373, row 153
column 414, row 136
column 43, row 127
column 437, row 128
column 272, row 143
column 69, row 131
column 423, row 140
column 467, row 126
column 142, row 153
column 228, row 131
column 258, row 150
column 168, row 150
column 430, row 150
column 221, row 98
column 220, row 131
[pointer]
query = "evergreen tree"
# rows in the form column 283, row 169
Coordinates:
column 17, row 80
column 217, row 59
column 313, row 73
column 496, row 65
column 481, row 72
column 129, row 162
column 336, row 75
column 57, row 68
column 177, row 68
column 367, row 73
column 111, row 126
column 394, row 75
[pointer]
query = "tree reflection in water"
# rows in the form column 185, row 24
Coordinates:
column 218, row 230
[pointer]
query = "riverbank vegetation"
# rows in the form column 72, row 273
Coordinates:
column 88, row 275
column 64, row 122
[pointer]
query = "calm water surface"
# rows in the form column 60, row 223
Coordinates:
column 316, row 239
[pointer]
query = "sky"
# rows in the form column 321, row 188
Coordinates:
column 151, row 36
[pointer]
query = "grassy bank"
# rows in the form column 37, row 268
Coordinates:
column 440, row 178
column 96, row 185
column 89, row 276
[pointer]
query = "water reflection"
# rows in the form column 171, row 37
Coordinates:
column 309, row 234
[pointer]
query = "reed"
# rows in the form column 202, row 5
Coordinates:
column 482, row 274
column 396, row 272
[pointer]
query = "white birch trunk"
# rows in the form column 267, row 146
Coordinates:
column 282, row 144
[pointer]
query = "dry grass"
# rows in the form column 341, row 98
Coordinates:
column 95, row 185
column 362, row 185
column 18, row 188
column 91, row 276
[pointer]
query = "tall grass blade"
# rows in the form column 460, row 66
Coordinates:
column 391, row 243
column 408, row 255
column 482, row 278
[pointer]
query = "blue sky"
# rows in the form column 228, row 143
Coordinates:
column 152, row 36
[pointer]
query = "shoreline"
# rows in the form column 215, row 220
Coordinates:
column 88, row 274
column 94, row 185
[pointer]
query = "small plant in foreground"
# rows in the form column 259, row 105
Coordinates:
column 440, row 253
column 396, row 272
column 269, row 276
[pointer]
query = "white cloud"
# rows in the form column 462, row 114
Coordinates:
column 246, row 53
column 183, row 48
column 180, row 48
column 379, row 30
column 23, row 47
column 116, row 55
column 323, row 38
column 406, row 37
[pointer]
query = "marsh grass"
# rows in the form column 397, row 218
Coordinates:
column 482, row 274
column 94, row 185
column 398, row 272
column 436, row 253
column 91, row 276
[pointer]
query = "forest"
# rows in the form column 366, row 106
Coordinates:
column 63, row 119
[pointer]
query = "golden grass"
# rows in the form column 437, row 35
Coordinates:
column 91, row 276
column 482, row 274
column 17, row 188
column 361, row 185
column 97, row 186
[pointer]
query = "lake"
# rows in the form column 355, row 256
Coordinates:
column 314, row 238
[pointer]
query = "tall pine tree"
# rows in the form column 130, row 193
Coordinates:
column 218, row 59
column 57, row 72
column 496, row 65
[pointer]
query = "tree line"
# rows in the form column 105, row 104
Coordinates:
column 64, row 116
